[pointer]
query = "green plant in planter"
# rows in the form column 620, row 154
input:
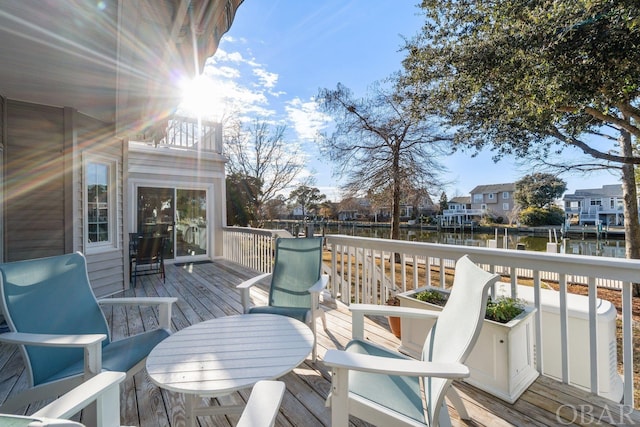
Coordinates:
column 501, row 309
column 431, row 296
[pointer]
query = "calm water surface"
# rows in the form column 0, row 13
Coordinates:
column 587, row 246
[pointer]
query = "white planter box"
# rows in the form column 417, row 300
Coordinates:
column 502, row 362
column 609, row 381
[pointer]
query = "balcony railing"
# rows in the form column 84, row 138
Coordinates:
column 457, row 212
column 190, row 133
column 368, row 270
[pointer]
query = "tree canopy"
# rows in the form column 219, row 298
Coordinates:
column 535, row 78
column 242, row 195
column 259, row 150
column 539, row 190
column 307, row 198
column 443, row 203
column 377, row 144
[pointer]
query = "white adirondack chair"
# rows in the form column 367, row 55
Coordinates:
column 263, row 404
column 103, row 389
column 384, row 387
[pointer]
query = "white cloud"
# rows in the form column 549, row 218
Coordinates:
column 224, row 72
column 266, row 79
column 305, row 118
column 224, row 56
column 234, row 81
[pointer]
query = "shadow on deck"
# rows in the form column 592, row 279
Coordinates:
column 207, row 290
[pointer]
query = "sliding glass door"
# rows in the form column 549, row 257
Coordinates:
column 180, row 215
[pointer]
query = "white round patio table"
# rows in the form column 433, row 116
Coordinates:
column 222, row 355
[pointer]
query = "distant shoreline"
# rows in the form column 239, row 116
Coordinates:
column 574, row 231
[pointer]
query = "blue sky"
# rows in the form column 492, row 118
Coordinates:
column 279, row 53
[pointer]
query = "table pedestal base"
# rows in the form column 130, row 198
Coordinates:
column 192, row 410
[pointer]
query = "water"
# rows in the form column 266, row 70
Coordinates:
column 587, row 246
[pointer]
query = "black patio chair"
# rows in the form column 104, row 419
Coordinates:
column 149, row 257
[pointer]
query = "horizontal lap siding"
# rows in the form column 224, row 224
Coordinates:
column 106, row 267
column 34, row 181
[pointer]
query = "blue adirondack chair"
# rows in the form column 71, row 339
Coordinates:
column 296, row 283
column 64, row 339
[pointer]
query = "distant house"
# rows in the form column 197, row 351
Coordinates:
column 459, row 212
column 595, row 206
column 495, row 200
column 426, row 207
column 354, row 208
column 460, row 203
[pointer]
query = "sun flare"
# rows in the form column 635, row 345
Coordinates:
column 202, row 97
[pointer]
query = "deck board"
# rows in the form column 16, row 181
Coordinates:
column 207, row 290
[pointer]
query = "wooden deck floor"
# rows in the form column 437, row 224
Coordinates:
column 207, row 290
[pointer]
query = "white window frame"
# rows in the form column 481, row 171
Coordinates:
column 112, row 196
column 478, row 198
column 505, row 207
column 491, row 196
column 505, row 194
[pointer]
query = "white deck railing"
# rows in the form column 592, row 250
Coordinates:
column 251, row 247
column 367, row 270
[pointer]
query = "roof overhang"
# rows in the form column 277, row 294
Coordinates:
column 120, row 61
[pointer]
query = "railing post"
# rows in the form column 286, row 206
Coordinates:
column 627, row 343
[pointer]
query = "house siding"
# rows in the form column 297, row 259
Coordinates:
column 34, row 182
column 43, row 205
column 494, row 206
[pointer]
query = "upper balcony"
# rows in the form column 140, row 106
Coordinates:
column 185, row 133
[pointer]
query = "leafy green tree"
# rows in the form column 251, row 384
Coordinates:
column 308, row 198
column 535, row 216
column 536, row 78
column 444, row 202
column 539, row 190
column 378, row 144
column 242, row 193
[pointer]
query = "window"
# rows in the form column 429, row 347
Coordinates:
column 505, row 206
column 483, row 207
column 572, row 204
column 505, row 195
column 100, row 202
column 491, row 196
column 477, row 198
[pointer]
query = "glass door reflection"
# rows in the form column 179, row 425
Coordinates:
column 191, row 222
